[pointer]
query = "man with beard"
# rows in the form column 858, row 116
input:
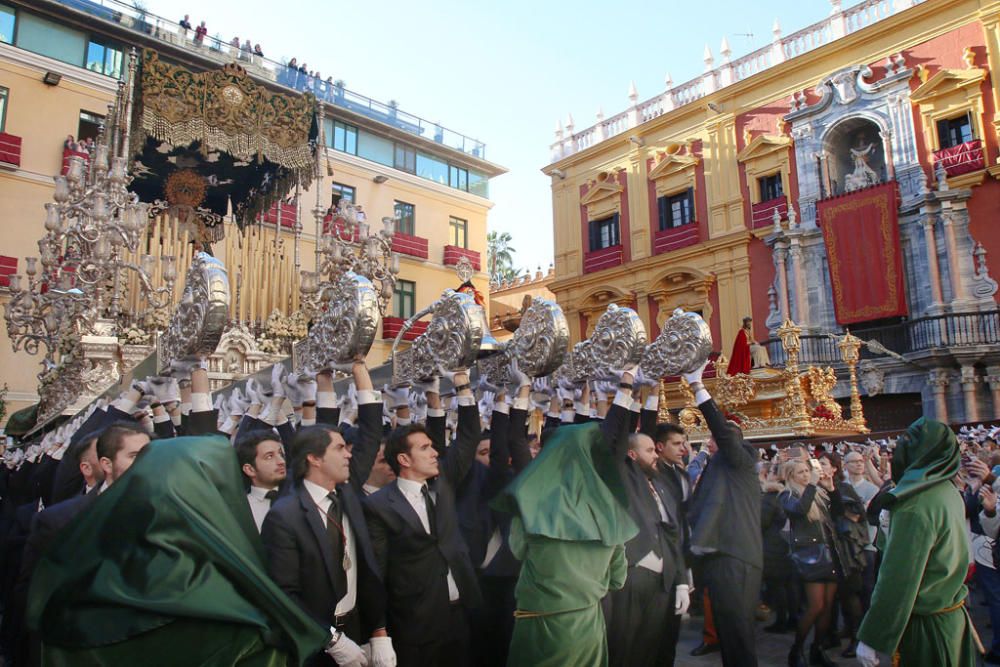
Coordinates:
column 262, row 460
column 643, row 617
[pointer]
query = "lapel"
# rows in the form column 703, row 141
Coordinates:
column 405, row 509
column 318, row 530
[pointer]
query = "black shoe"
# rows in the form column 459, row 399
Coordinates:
column 796, row 658
column 992, row 658
column 777, row 628
column 705, row 649
column 818, row 657
column 831, row 641
column 851, row 651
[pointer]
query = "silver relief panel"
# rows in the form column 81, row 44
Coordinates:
column 539, row 345
column 451, row 341
column 202, row 314
column 682, row 346
column 345, row 331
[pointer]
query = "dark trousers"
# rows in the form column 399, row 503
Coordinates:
column 782, row 595
column 493, row 624
column 989, row 583
column 642, row 625
column 734, row 588
column 453, row 652
column 868, row 577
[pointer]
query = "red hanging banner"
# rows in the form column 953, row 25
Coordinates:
column 861, row 232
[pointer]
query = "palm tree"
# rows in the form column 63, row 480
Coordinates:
column 500, row 257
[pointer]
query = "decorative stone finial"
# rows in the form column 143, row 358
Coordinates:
column 633, row 94
column 668, row 81
column 709, row 60
column 725, row 50
column 776, row 29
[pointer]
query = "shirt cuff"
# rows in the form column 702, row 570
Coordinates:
column 201, row 402
column 652, row 402
column 567, row 416
column 176, row 420
column 580, row 408
column 308, row 422
column 521, row 404
column 702, row 396
column 623, row 399
column 403, row 421
column 366, row 396
column 466, row 400
column 636, row 406
column 124, row 404
column 185, row 408
column 501, row 406
column 435, row 412
column 159, row 419
column 326, row 399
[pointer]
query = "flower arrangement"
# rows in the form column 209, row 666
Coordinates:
column 823, row 412
column 281, row 331
column 133, row 335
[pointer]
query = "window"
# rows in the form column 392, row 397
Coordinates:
column 345, row 192
column 51, row 39
column 955, row 131
column 403, row 299
column 105, row 58
column 770, row 187
column 432, row 168
column 3, row 107
column 342, row 137
column 405, row 159
column 458, row 178
column 676, row 210
column 459, row 232
column 405, row 213
column 375, row 148
column 90, row 126
column 7, row 22
column 604, row 233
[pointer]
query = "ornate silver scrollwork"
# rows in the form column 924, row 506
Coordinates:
column 682, row 346
column 202, row 314
column 451, row 341
column 618, row 341
column 539, row 344
column 345, row 331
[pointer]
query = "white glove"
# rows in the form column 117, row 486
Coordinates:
column 517, row 378
column 682, row 599
column 632, row 370
column 237, row 404
column 165, row 389
column 695, row 375
column 277, row 375
column 395, row 398
column 541, row 384
column 866, row 655
column 252, row 393
column 540, row 400
column 486, row 386
column 381, row 653
column 450, row 375
column 347, row 654
column 643, row 380
column 307, row 387
column 290, row 389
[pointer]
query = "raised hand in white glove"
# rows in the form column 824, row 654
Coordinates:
column 165, row 389
column 395, row 398
column 253, row 395
column 277, row 375
column 237, row 404
column 381, row 653
column 867, row 655
column 645, row 381
column 290, row 386
column 626, row 375
column 682, row 599
column 347, row 654
column 432, row 386
column 517, row 379
column 307, row 387
column 695, row 375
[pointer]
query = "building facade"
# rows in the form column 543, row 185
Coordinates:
column 844, row 176
column 60, row 65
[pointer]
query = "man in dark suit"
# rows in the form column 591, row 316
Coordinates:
column 317, row 542
column 430, row 581
column 671, row 447
column 262, row 461
column 643, row 618
column 725, row 531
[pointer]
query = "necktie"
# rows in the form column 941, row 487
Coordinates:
column 271, row 495
column 335, row 529
column 429, row 504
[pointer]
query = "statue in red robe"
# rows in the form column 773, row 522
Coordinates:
column 739, row 361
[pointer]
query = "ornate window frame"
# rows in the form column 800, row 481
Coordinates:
column 766, row 155
column 604, row 196
column 673, row 172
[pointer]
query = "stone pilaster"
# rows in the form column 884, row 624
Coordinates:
column 993, row 380
column 937, row 380
column 969, row 381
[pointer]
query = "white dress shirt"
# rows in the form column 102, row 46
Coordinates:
column 259, row 505
column 413, row 492
column 651, row 561
column 320, row 499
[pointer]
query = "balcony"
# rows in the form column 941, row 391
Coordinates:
column 68, row 153
column 605, row 258
column 762, row 213
column 8, row 267
column 169, row 32
column 957, row 330
column 391, row 326
column 10, row 150
column 453, row 253
column 414, row 246
column 961, row 159
column 676, row 238
column 289, row 215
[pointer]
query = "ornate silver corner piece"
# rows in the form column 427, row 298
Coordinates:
column 618, row 341
column 451, row 341
column 202, row 314
column 682, row 346
column 346, row 330
column 539, row 345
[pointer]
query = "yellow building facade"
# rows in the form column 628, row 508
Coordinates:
column 387, row 162
column 706, row 196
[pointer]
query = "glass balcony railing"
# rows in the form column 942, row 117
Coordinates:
column 333, row 92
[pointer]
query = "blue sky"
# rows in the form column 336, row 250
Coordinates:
column 502, row 72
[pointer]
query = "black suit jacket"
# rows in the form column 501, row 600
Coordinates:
column 415, row 563
column 663, row 538
column 45, row 526
column 725, row 508
column 299, row 553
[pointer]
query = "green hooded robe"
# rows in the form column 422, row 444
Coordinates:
column 917, row 607
column 569, row 529
column 166, row 568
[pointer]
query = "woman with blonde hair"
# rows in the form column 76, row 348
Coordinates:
column 807, row 502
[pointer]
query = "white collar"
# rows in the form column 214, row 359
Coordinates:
column 410, row 487
column 259, row 492
column 316, row 492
